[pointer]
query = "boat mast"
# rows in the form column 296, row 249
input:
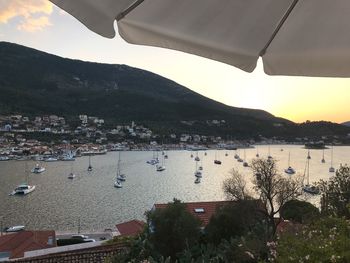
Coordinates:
column 308, row 171
column 289, row 159
column 118, row 165
column 332, row 156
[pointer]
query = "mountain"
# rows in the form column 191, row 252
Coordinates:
column 347, row 123
column 36, row 83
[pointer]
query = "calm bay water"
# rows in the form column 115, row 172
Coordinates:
column 58, row 203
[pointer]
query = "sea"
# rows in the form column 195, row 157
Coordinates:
column 60, row 203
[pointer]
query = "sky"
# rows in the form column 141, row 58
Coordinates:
column 41, row 25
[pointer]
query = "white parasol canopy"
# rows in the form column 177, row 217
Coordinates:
column 293, row 37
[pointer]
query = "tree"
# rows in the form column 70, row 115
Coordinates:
column 234, row 220
column 273, row 189
column 173, row 229
column 270, row 187
column 335, row 198
column 235, row 187
column 299, row 211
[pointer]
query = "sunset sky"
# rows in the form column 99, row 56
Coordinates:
column 38, row 24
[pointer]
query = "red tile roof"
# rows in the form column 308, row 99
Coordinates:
column 208, row 207
column 18, row 243
column 131, row 228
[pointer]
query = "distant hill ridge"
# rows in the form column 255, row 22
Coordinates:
column 347, row 123
column 33, row 82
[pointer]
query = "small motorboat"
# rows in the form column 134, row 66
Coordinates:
column 331, row 169
column 240, row 160
column 118, row 184
column 23, row 189
column 205, row 153
column 197, row 159
column 71, row 176
column 50, row 159
column 217, row 162
column 245, row 164
column 257, row 155
column 89, row 168
column 166, row 156
column 236, row 156
column 200, row 168
column 14, row 229
column 38, row 169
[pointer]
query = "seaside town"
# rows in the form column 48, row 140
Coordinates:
column 51, row 137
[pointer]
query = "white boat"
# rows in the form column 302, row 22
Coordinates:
column 25, row 188
column 118, row 184
column 154, row 159
column 71, row 176
column 14, row 229
column 38, row 169
column 120, row 176
column 197, row 180
column 67, row 158
column 331, row 169
column 4, row 158
column 290, row 169
column 50, row 159
column 308, row 188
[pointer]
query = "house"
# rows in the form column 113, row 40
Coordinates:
column 15, row 245
column 130, row 228
column 202, row 210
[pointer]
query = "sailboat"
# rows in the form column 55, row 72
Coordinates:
column 71, row 175
column 197, row 173
column 311, row 189
column 120, row 176
column 269, row 157
column 25, row 188
column 245, row 163
column 38, row 169
column 257, row 155
column 154, row 159
column 160, row 168
column 200, row 168
column 197, row 180
column 216, row 161
column 331, row 169
column 90, row 166
column 290, row 169
column 308, row 154
column 197, row 159
column 323, row 160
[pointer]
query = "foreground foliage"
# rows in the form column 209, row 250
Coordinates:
column 327, row 240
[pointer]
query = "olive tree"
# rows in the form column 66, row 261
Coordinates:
column 335, row 192
column 269, row 186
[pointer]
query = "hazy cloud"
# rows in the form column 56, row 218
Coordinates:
column 34, row 24
column 28, row 10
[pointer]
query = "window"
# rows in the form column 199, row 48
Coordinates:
column 199, row 210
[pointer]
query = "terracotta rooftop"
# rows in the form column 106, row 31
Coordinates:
column 17, row 243
column 203, row 210
column 130, row 228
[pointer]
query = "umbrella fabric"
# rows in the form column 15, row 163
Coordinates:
column 97, row 15
column 305, row 37
column 313, row 41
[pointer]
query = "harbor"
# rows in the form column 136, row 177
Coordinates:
column 91, row 198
